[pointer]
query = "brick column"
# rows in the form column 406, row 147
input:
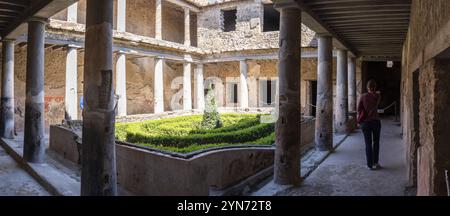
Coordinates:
column 98, row 173
column 243, row 94
column 121, row 15
column 72, row 13
column 34, row 141
column 187, row 99
column 71, row 96
column 200, row 90
column 7, row 102
column 287, row 130
column 341, row 93
column 121, row 84
column 187, row 27
column 324, row 109
column 352, row 84
column 159, row 85
column 158, row 20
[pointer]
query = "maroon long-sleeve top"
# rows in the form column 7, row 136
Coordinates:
column 368, row 103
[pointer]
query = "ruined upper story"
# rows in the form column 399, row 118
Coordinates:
column 190, row 26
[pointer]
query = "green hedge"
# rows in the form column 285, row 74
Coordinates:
column 241, row 136
column 181, row 134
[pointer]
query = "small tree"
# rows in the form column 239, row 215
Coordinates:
column 211, row 117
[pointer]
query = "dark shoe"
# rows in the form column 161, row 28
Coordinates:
column 377, row 166
column 370, row 167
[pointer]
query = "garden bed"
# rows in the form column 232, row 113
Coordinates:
column 183, row 134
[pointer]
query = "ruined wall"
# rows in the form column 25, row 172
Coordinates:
column 434, row 151
column 427, row 18
column 193, row 29
column 141, row 17
column 422, row 137
column 248, row 34
column 140, row 82
column 82, row 12
column 55, row 64
column 172, row 22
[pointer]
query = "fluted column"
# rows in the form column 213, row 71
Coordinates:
column 341, row 93
column 324, row 110
column 7, row 102
column 287, row 130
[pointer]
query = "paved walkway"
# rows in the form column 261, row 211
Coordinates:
column 14, row 181
column 344, row 172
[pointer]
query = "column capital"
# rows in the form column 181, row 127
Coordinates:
column 74, row 46
column 324, row 35
column 39, row 19
column 8, row 40
column 285, row 4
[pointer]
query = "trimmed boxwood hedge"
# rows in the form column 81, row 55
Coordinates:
column 181, row 134
column 241, row 136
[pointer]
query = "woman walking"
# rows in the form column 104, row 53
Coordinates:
column 370, row 123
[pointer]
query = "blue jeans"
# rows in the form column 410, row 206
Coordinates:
column 371, row 131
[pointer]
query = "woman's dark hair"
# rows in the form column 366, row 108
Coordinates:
column 372, row 85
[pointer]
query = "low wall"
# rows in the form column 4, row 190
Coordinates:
column 146, row 171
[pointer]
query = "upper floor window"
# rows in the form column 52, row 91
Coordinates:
column 271, row 19
column 229, row 20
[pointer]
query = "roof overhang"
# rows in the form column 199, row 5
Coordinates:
column 372, row 28
column 14, row 14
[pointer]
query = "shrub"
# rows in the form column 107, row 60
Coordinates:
column 211, row 117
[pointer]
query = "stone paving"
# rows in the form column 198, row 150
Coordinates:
column 344, row 172
column 14, row 181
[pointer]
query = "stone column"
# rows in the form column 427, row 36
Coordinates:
column 159, row 85
column 200, row 90
column 121, row 84
column 121, row 15
column 158, row 20
column 243, row 95
column 287, row 129
column 7, row 102
column 324, row 109
column 341, row 93
column 352, row 84
column 72, row 13
column 34, row 141
column 98, row 174
column 187, row 100
column 71, row 97
column 187, row 27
